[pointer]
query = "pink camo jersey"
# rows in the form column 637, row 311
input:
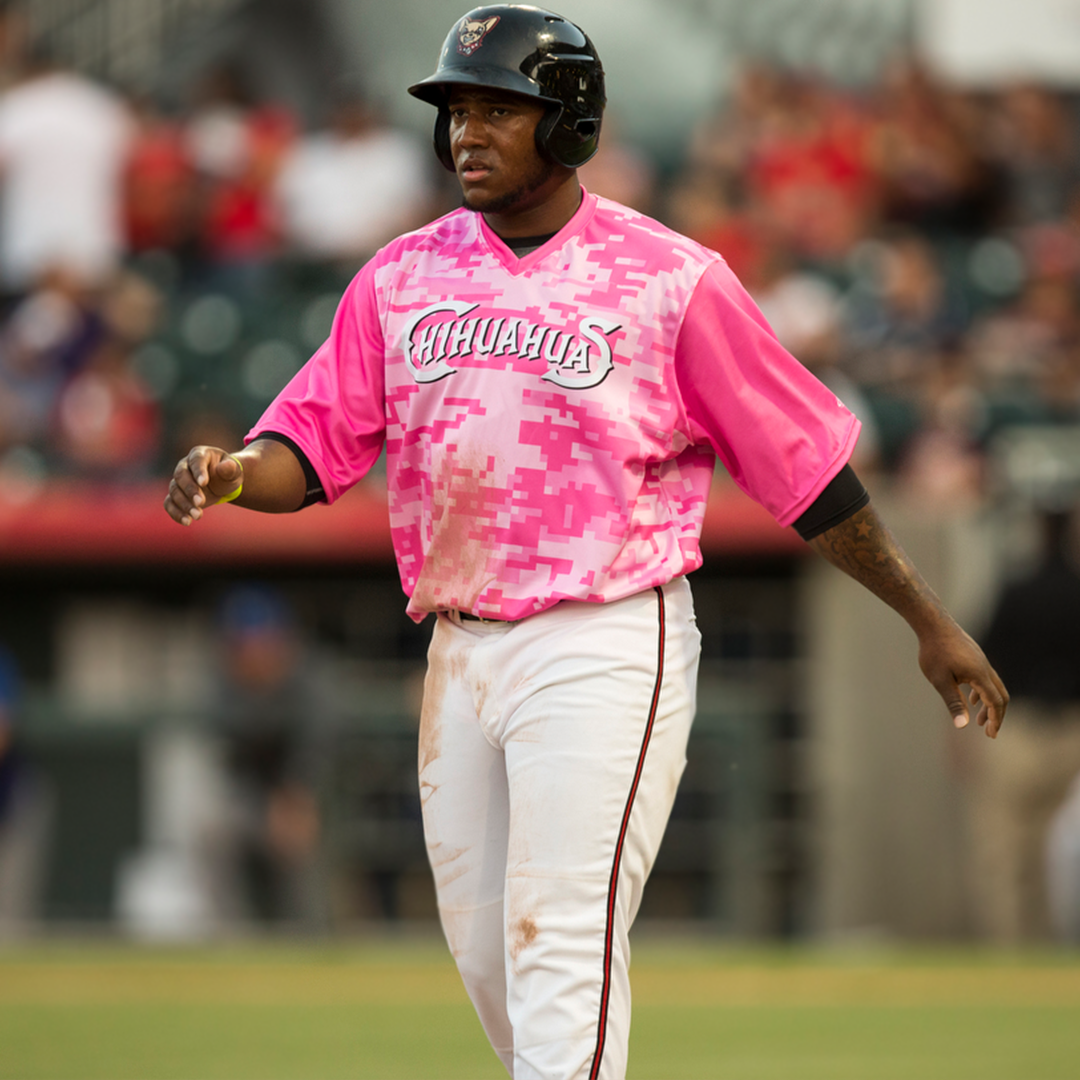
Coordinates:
column 551, row 422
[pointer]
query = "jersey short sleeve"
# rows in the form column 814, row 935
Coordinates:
column 781, row 434
column 333, row 408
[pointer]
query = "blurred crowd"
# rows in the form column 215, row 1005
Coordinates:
column 915, row 244
column 150, row 259
column 162, row 272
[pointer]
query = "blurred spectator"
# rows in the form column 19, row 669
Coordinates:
column 1026, row 353
column 942, row 464
column 67, row 391
column 723, row 144
column 273, row 714
column 159, row 184
column 903, row 310
column 809, row 171
column 1034, row 641
column 63, row 147
column 14, row 31
column 791, row 152
column 346, row 191
column 1052, row 248
column 929, row 150
column 107, row 425
column 47, row 338
column 1038, row 152
column 236, row 148
column 24, row 813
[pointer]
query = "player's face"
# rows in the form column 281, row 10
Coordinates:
column 493, row 142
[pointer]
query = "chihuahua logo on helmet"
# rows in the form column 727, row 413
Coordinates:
column 471, row 34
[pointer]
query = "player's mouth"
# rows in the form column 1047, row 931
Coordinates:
column 474, row 170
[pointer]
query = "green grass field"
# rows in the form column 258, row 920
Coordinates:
column 386, row 1011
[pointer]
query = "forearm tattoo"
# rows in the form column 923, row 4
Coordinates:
column 863, row 547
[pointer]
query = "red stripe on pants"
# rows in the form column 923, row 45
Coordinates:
column 609, row 933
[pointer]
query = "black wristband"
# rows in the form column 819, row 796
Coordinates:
column 843, row 496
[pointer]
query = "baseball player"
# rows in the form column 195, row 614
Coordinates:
column 553, row 376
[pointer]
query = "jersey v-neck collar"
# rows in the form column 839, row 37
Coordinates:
column 524, row 245
column 498, row 247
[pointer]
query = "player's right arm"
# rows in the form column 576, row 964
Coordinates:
column 268, row 474
column 320, row 435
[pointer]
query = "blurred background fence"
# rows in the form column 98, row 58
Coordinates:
column 187, row 187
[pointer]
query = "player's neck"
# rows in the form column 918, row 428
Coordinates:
column 547, row 216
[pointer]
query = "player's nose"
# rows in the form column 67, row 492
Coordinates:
column 469, row 131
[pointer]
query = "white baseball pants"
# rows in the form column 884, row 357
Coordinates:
column 550, row 752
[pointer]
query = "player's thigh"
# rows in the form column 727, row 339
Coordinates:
column 597, row 747
column 463, row 790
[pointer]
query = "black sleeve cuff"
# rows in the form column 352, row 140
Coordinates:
column 843, row 496
column 315, row 492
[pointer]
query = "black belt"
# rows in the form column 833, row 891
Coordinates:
column 476, row 618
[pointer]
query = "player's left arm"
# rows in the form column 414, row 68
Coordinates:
column 863, row 547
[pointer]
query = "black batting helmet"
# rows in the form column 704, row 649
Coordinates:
column 532, row 52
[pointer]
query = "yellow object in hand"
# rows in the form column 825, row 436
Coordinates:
column 233, row 495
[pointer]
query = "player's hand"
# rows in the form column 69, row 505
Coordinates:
column 950, row 658
column 207, row 474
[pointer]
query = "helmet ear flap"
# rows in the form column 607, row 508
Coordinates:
column 441, row 139
column 544, row 132
column 566, row 141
